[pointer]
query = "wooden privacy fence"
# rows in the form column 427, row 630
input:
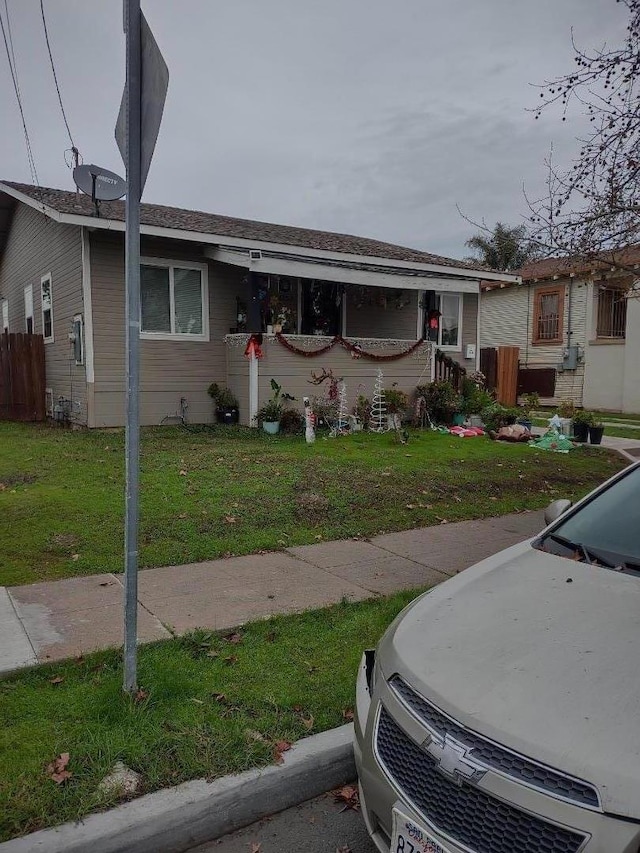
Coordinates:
column 489, row 366
column 22, row 377
column 500, row 366
column 448, row 370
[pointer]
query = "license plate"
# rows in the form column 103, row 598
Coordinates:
column 410, row 837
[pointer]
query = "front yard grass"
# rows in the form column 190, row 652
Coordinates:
column 209, row 706
column 226, row 491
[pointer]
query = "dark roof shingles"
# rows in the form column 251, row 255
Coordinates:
column 178, row 218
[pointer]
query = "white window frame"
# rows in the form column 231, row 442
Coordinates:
column 448, row 347
column 5, row 315
column 44, row 278
column 78, row 318
column 28, row 308
column 166, row 263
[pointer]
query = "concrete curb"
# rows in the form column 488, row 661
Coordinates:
column 175, row 819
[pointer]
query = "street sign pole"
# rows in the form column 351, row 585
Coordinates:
column 132, row 338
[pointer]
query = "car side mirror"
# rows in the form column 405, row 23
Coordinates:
column 555, row 510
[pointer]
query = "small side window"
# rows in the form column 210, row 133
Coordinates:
column 5, row 315
column 78, row 339
column 47, row 308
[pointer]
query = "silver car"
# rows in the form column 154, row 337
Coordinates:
column 500, row 712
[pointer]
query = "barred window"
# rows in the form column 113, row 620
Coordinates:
column 612, row 312
column 547, row 315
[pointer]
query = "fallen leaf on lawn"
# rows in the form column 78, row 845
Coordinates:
column 297, row 709
column 281, row 542
column 347, row 714
column 231, row 660
column 252, row 734
column 57, row 680
column 197, row 701
column 385, row 473
column 75, row 557
column 347, row 795
column 57, row 770
column 411, row 506
column 234, row 638
column 182, row 515
column 230, row 519
column 255, row 848
column 281, row 746
column 271, row 636
column 183, row 473
column 221, row 698
column 308, row 723
column 141, row 695
column 319, row 536
column 213, row 654
column 310, row 667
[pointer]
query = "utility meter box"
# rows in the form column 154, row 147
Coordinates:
column 569, row 359
column 471, row 351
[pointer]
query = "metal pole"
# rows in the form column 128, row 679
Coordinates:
column 132, row 342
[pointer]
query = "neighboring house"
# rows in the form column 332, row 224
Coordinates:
column 577, row 330
column 62, row 276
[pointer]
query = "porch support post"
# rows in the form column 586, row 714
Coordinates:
column 253, row 389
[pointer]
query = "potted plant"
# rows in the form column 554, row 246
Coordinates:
column 566, row 412
column 442, row 400
column 596, row 431
column 226, row 404
column 269, row 415
column 582, row 420
column 475, row 398
column 530, row 402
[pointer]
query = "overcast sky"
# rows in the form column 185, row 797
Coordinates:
column 374, row 117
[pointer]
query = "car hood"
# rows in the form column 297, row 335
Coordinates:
column 539, row 653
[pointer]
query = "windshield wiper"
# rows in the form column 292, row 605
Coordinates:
column 587, row 554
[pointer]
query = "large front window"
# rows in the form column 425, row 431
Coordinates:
column 173, row 300
column 449, row 332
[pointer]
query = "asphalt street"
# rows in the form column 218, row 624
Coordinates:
column 317, row 826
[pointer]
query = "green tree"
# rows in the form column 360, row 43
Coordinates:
column 503, row 248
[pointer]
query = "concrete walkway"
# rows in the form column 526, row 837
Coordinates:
column 59, row 619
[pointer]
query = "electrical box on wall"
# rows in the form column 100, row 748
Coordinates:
column 470, row 351
column 570, row 359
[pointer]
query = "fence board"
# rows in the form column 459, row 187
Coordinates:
column 22, row 377
column 507, row 385
column 489, row 366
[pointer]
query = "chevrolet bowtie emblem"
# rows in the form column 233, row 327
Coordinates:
column 453, row 760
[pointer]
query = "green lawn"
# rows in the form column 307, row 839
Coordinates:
column 210, row 707
column 211, row 493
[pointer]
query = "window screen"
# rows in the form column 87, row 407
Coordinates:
column 450, row 320
column 187, row 294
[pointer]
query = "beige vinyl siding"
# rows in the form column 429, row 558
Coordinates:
column 377, row 321
column 293, row 372
column 169, row 369
column 35, row 247
column 507, row 318
column 238, row 379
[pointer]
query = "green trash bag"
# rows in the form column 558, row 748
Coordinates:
column 554, row 441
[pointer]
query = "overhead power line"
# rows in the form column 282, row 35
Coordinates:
column 55, row 77
column 16, row 89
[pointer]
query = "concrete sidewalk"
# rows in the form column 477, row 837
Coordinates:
column 58, row 619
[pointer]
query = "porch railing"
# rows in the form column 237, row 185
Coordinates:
column 448, row 370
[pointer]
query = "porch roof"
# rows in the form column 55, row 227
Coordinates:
column 244, row 235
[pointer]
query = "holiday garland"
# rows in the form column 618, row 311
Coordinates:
column 355, row 349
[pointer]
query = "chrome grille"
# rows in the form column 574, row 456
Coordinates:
column 467, row 814
column 495, row 756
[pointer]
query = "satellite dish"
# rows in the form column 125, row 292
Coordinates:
column 99, row 183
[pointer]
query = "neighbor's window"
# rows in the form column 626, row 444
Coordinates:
column 28, row 309
column 547, row 315
column 78, row 339
column 612, row 312
column 449, row 305
column 173, row 300
column 47, row 309
column 5, row 315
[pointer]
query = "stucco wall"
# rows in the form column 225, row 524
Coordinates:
column 35, row 247
column 631, row 384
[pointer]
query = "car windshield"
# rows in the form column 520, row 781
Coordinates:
column 606, row 530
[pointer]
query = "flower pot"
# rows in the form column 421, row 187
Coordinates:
column 581, row 431
column 566, row 427
column 458, row 419
column 227, row 415
column 476, row 421
column 595, row 434
column 272, row 427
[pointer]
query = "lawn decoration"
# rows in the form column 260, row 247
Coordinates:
column 343, row 415
column 378, row 422
column 309, row 421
